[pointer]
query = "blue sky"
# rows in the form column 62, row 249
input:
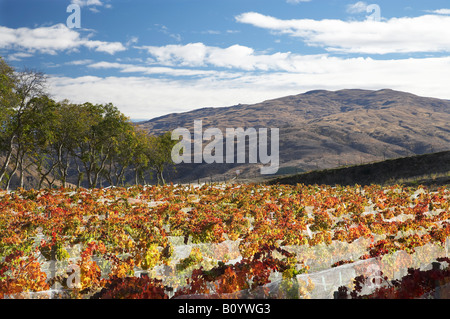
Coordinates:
column 154, row 57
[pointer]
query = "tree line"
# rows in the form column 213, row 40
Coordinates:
column 87, row 144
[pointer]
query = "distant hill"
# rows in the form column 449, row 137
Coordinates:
column 324, row 129
column 428, row 169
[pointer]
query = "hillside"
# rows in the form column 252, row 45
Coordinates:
column 325, row 129
column 428, row 169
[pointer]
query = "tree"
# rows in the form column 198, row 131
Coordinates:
column 140, row 158
column 160, row 155
column 18, row 91
column 8, row 101
column 72, row 131
column 36, row 136
column 46, row 127
column 58, row 139
column 128, row 144
column 104, row 126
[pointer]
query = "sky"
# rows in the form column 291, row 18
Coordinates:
column 154, row 57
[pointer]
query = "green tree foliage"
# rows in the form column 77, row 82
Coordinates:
column 18, row 91
column 86, row 144
column 160, row 155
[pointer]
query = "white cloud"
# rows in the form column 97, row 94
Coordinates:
column 18, row 56
column 143, row 97
column 92, row 5
column 147, row 97
column 164, row 29
column 192, row 54
column 357, row 7
column 439, row 11
column 51, row 40
column 212, row 32
column 297, row 1
column 101, row 46
column 131, row 68
column 133, row 40
column 84, row 3
column 428, row 33
column 79, row 62
column 233, row 57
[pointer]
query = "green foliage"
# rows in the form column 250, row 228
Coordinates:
column 57, row 138
column 194, row 258
column 160, row 154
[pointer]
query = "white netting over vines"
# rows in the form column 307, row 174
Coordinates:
column 323, row 267
column 321, row 282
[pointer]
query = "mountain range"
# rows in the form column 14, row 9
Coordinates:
column 322, row 129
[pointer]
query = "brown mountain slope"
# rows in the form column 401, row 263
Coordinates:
column 432, row 170
column 325, row 129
